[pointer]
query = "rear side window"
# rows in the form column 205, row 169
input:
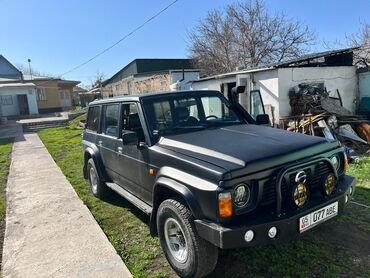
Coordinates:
column 93, row 118
column 110, row 119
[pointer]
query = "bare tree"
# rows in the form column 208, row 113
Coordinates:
column 25, row 69
column 97, row 80
column 361, row 39
column 246, row 34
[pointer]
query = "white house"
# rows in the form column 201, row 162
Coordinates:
column 334, row 69
column 18, row 99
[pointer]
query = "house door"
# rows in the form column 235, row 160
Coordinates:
column 23, row 105
column 65, row 99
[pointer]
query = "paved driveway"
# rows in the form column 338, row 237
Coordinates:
column 49, row 231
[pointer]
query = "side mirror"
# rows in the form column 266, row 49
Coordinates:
column 130, row 138
column 263, row 119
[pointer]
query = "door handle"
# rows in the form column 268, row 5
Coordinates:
column 119, row 149
column 100, row 142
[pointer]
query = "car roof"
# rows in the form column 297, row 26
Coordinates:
column 138, row 97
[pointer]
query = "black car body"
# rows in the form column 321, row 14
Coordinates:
column 197, row 165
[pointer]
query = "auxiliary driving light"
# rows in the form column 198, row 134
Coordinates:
column 300, row 194
column 272, row 232
column 249, row 235
column 329, row 184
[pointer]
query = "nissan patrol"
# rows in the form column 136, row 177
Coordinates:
column 209, row 174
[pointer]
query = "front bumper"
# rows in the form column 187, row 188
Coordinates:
column 232, row 236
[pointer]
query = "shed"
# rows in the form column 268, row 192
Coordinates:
column 18, row 99
column 333, row 69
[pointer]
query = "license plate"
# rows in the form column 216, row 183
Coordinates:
column 314, row 218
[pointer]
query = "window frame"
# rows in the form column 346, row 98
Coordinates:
column 2, row 97
column 41, row 94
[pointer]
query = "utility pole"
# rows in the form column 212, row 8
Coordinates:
column 29, row 66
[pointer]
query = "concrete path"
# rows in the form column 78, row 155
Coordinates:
column 49, row 231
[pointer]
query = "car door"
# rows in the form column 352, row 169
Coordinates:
column 132, row 159
column 109, row 137
column 256, row 106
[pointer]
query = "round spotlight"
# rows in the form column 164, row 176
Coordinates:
column 272, row 232
column 241, row 195
column 329, row 184
column 300, row 194
column 249, row 235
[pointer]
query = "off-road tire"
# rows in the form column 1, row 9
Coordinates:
column 202, row 255
column 101, row 190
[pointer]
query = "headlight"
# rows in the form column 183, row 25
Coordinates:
column 335, row 161
column 241, row 195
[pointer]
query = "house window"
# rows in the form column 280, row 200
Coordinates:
column 41, row 94
column 6, row 100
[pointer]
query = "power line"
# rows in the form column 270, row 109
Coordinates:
column 121, row 39
column 117, row 42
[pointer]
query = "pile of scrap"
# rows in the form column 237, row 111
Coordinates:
column 316, row 112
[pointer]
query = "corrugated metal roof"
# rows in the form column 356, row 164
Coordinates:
column 148, row 65
column 286, row 63
column 16, row 85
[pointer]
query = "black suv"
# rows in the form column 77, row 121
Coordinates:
column 209, row 175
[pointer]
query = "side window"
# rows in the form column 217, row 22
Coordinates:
column 131, row 120
column 110, row 119
column 93, row 118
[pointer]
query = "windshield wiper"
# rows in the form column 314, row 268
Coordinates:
column 189, row 127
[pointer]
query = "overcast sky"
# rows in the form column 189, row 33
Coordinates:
column 58, row 35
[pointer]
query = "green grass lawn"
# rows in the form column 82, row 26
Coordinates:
column 5, row 152
column 5, row 159
column 361, row 170
column 320, row 253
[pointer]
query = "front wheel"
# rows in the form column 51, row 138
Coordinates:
column 188, row 254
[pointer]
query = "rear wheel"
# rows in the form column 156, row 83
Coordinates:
column 188, row 254
column 98, row 188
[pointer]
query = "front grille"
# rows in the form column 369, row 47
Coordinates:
column 314, row 174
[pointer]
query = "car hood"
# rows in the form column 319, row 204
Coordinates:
column 237, row 146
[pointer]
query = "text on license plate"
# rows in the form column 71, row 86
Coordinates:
column 314, row 218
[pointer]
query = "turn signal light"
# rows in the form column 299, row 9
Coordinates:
column 345, row 166
column 225, row 204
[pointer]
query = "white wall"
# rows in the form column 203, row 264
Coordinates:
column 342, row 78
column 13, row 110
column 268, row 84
column 212, row 84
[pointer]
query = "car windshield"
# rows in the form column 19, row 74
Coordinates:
column 183, row 113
